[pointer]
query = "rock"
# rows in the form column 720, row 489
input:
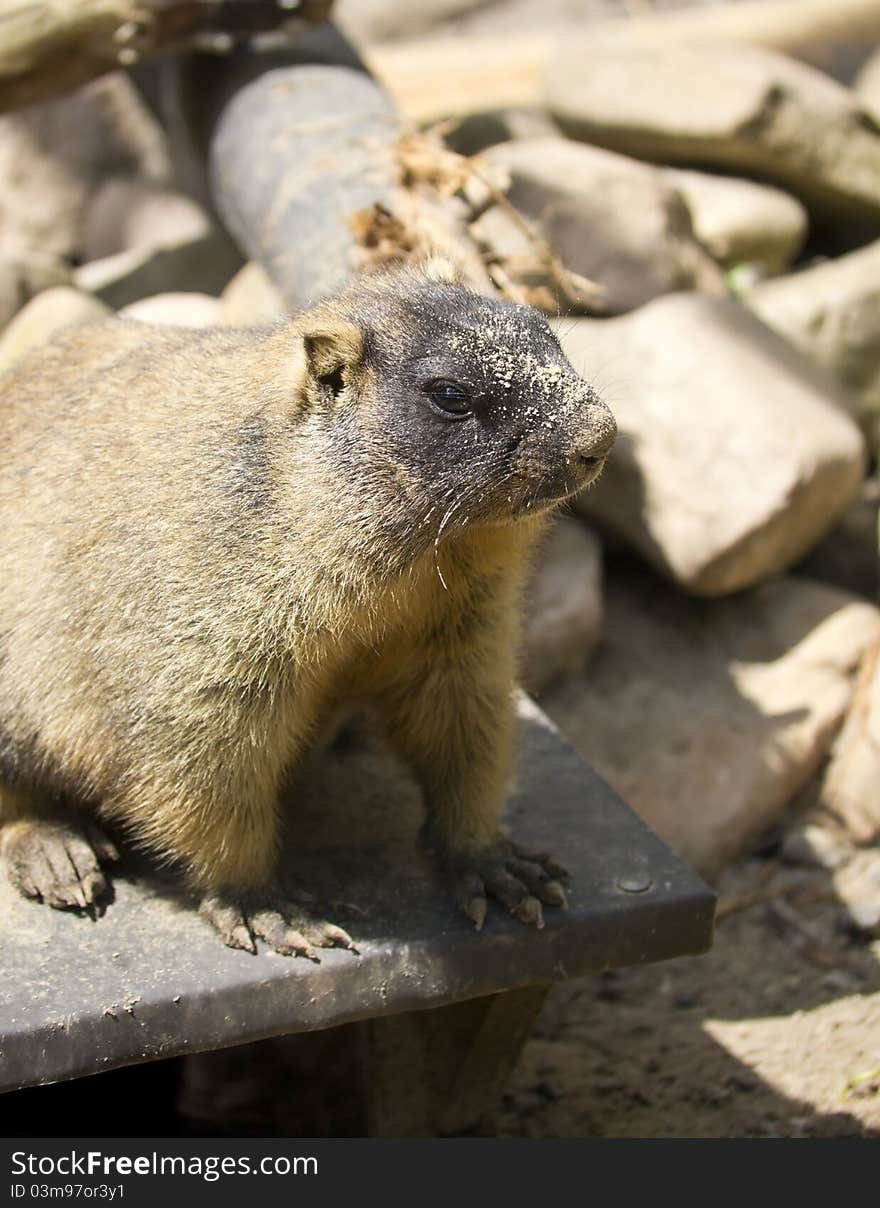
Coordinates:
column 741, row 222
column 851, row 788
column 176, row 309
column 709, row 716
column 563, row 622
column 142, row 239
column 832, row 312
column 735, row 455
column 606, row 217
column 42, row 317
column 52, row 155
column 21, row 280
column 857, row 884
column 200, row 265
column 847, row 556
column 251, row 297
column 862, row 917
column 474, row 132
column 739, row 107
column 366, row 21
column 814, row 847
column 867, row 86
column 126, row 212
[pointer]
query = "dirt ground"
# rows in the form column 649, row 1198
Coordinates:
column 774, row 1033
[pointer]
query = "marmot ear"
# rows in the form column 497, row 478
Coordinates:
column 331, row 348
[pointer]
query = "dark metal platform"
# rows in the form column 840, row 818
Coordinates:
column 151, row 980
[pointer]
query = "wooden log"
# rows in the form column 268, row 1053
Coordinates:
column 295, row 153
column 453, row 76
column 48, row 47
column 316, row 175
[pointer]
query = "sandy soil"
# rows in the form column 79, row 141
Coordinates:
column 774, row 1033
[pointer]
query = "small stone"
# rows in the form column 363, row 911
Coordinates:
column 862, row 917
column 175, row 309
column 847, row 556
column 127, row 212
column 857, row 885
column 251, row 297
column 199, row 265
column 43, row 316
column 867, row 86
column 22, row 279
column 814, row 847
column 477, row 131
column 366, row 21
column 851, row 787
column 741, row 222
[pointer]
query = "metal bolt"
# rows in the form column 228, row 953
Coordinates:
column 634, row 882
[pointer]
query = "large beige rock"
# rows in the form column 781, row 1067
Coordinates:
column 851, row 788
column 251, row 297
column 709, row 716
column 388, row 20
column 22, row 279
column 128, row 212
column 563, row 623
column 474, row 132
column 735, row 455
column 44, row 315
column 718, row 104
column 867, row 86
column 832, row 312
column 509, row 47
column 141, row 238
column 53, row 155
column 175, row 309
column 847, row 556
column 201, row 264
column 608, row 218
column 740, row 221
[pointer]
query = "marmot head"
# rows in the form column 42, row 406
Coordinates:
column 465, row 406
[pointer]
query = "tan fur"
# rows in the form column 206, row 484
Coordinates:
column 202, row 553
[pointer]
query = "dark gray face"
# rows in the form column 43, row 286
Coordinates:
column 478, row 406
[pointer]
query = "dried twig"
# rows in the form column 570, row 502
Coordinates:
column 805, row 937
column 758, row 897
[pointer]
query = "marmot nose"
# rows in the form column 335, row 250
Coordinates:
column 592, row 451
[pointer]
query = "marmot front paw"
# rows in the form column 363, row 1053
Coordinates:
column 521, row 880
column 59, row 862
column 242, row 919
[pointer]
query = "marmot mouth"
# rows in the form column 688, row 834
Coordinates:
column 533, row 495
column 549, row 494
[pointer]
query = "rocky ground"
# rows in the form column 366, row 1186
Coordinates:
column 703, row 625
column 774, row 1033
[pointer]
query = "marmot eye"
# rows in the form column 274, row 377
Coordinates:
column 449, row 398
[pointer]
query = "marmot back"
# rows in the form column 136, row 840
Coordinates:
column 211, row 536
